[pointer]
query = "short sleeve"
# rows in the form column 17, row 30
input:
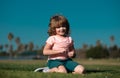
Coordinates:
column 50, row 40
column 71, row 41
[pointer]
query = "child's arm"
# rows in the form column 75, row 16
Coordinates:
column 48, row 50
column 71, row 53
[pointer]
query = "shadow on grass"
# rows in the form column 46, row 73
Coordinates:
column 88, row 71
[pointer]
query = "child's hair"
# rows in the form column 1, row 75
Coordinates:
column 58, row 21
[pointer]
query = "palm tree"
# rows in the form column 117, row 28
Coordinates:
column 98, row 43
column 112, row 38
column 17, row 40
column 6, row 47
column 21, row 48
column 25, row 47
column 31, row 46
column 10, row 36
column 10, row 49
column 84, row 46
column 1, row 48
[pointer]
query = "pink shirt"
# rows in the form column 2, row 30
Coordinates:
column 59, row 43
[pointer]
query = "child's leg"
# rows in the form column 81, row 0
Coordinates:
column 55, row 69
column 62, row 69
column 79, row 69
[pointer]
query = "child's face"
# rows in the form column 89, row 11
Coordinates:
column 61, row 30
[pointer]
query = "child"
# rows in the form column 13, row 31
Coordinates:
column 59, row 47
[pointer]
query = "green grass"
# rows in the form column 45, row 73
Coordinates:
column 104, row 68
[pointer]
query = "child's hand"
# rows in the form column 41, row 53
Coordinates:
column 63, row 50
column 71, row 54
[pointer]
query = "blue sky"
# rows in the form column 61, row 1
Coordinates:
column 90, row 20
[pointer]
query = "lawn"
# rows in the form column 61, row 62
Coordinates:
column 95, row 68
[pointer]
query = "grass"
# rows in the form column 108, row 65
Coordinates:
column 95, row 68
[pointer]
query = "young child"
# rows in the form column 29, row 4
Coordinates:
column 59, row 47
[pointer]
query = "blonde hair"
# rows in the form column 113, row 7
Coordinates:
column 58, row 21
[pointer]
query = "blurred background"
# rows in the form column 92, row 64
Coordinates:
column 94, row 24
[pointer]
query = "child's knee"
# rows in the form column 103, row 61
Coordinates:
column 62, row 69
column 79, row 69
column 54, row 69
